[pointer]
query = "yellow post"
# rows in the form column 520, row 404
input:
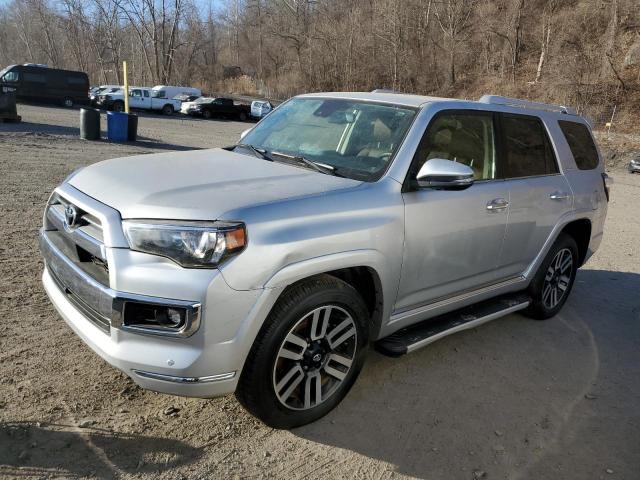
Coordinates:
column 126, row 87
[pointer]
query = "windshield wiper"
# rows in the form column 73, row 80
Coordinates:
column 258, row 151
column 320, row 167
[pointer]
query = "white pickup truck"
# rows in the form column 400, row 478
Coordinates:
column 140, row 98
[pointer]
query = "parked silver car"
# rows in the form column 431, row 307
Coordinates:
column 634, row 165
column 340, row 221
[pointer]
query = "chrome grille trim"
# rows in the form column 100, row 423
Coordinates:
column 55, row 217
column 109, row 218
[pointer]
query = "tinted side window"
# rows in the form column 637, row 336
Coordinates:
column 527, row 148
column 462, row 137
column 76, row 80
column 35, row 77
column 146, row 93
column 581, row 144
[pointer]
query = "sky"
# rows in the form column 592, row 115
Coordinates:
column 203, row 4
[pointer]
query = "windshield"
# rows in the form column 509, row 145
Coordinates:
column 357, row 138
column 204, row 100
column 6, row 69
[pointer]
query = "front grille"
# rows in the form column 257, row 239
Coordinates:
column 89, row 313
column 82, row 242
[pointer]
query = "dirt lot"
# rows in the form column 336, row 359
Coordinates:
column 514, row 399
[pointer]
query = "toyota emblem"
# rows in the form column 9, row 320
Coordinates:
column 70, row 216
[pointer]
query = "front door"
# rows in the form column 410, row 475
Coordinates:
column 454, row 238
column 136, row 100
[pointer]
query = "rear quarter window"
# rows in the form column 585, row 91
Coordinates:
column 581, row 144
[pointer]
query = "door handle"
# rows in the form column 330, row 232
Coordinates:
column 497, row 204
column 559, row 196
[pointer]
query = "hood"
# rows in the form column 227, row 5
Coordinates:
column 199, row 184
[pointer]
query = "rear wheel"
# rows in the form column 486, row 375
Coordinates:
column 307, row 355
column 167, row 109
column 554, row 279
column 67, row 102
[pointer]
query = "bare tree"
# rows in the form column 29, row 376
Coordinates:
column 454, row 20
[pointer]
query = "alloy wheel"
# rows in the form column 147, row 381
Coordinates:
column 557, row 279
column 315, row 357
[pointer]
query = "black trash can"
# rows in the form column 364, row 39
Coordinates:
column 8, row 105
column 132, row 128
column 90, row 124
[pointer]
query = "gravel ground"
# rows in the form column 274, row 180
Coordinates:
column 513, row 399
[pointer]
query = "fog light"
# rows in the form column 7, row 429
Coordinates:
column 153, row 316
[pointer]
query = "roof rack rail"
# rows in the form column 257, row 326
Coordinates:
column 384, row 90
column 515, row 102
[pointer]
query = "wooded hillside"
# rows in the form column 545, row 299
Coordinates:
column 583, row 53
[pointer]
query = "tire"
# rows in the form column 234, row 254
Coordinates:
column 167, row 109
column 552, row 285
column 118, row 106
column 280, row 375
column 67, row 102
column 206, row 114
column 242, row 117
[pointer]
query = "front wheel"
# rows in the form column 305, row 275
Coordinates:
column 307, row 355
column 206, row 114
column 242, row 117
column 554, row 279
column 118, row 106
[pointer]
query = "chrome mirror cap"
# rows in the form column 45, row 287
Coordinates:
column 444, row 174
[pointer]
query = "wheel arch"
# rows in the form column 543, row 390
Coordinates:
column 580, row 231
column 364, row 270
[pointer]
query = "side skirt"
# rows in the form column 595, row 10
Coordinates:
column 422, row 334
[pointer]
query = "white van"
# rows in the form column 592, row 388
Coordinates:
column 168, row 91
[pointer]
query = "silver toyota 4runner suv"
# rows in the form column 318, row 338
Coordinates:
column 340, row 221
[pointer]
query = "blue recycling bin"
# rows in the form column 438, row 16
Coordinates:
column 117, row 126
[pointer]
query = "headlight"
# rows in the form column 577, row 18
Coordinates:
column 190, row 244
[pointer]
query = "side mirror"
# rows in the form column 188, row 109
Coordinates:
column 244, row 134
column 444, row 174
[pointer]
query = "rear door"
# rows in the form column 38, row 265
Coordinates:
column 539, row 195
column 77, row 86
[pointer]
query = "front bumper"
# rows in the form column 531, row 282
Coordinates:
column 204, row 364
column 139, row 357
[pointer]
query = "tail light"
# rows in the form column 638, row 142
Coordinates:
column 607, row 181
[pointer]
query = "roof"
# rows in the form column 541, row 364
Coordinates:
column 419, row 100
column 383, row 97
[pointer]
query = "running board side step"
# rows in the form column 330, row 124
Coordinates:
column 416, row 336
